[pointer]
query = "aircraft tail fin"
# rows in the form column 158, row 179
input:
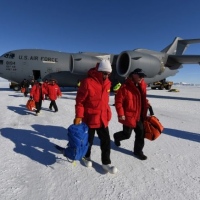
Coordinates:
column 178, row 46
column 175, row 50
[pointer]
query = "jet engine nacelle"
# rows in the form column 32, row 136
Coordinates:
column 80, row 63
column 127, row 61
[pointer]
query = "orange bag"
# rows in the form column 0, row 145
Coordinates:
column 31, row 105
column 22, row 90
column 152, row 126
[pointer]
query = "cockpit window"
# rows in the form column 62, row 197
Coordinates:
column 9, row 55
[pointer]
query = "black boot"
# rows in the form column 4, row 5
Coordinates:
column 117, row 142
column 140, row 155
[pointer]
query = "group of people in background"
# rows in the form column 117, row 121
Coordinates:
column 42, row 90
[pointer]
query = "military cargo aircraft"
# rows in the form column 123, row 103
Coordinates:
column 69, row 68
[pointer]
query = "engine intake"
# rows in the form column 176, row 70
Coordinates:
column 80, row 63
column 127, row 61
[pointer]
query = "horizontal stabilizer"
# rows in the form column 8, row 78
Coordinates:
column 185, row 59
column 176, row 61
column 190, row 41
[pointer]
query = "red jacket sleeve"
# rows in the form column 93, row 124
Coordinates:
column 80, row 99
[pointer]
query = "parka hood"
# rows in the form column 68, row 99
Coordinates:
column 95, row 74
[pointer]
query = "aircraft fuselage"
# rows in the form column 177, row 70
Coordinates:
column 28, row 64
column 69, row 68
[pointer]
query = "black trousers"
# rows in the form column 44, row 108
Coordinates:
column 53, row 104
column 38, row 106
column 26, row 91
column 139, row 136
column 103, row 134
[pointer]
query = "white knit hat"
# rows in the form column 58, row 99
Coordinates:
column 105, row 66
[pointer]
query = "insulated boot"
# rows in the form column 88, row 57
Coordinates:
column 110, row 169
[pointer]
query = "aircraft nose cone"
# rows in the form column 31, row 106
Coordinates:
column 2, row 68
column 1, row 61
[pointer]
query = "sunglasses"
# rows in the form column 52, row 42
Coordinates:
column 106, row 73
column 141, row 76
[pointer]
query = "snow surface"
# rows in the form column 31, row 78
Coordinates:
column 32, row 169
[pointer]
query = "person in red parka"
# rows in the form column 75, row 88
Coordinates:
column 53, row 93
column 93, row 109
column 37, row 93
column 131, row 106
column 46, row 84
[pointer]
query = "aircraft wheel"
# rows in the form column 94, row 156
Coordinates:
column 161, row 87
column 16, row 88
column 168, row 87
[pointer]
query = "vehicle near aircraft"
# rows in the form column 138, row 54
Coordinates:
column 15, row 86
column 68, row 68
column 162, row 84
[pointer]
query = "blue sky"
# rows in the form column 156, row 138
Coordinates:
column 101, row 26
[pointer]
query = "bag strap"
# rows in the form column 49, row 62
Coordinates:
column 151, row 110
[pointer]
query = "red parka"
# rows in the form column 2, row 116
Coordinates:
column 35, row 92
column 92, row 100
column 54, row 91
column 131, row 103
column 46, row 84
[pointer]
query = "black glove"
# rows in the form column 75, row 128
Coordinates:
column 31, row 97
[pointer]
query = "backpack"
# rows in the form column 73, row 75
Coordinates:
column 78, row 142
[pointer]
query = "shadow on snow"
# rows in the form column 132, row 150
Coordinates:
column 169, row 97
column 36, row 144
column 182, row 134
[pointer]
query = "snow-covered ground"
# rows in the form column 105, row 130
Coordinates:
column 32, row 169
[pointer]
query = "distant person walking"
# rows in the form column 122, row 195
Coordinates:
column 37, row 93
column 53, row 93
column 25, row 84
column 131, row 106
column 32, row 82
column 46, row 84
column 92, row 108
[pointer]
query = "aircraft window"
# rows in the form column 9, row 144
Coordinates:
column 1, row 62
column 12, row 55
column 9, row 55
column 6, row 55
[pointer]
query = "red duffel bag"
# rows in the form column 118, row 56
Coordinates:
column 31, row 105
column 23, row 90
column 152, row 126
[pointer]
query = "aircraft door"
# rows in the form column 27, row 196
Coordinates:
column 36, row 74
